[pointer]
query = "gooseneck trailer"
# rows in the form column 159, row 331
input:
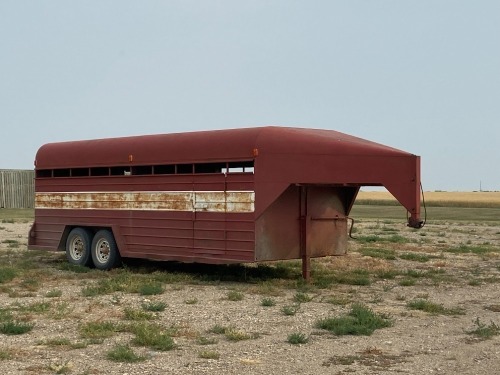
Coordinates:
column 224, row 196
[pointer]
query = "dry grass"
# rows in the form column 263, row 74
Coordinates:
column 440, row 196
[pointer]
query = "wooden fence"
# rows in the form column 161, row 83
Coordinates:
column 17, row 188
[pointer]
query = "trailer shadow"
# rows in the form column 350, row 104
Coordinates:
column 244, row 273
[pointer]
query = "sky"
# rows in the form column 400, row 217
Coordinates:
column 422, row 76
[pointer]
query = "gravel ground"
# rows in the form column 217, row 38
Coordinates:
column 417, row 343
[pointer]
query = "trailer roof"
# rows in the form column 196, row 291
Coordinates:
column 206, row 146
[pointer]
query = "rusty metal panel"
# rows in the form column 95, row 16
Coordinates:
column 207, row 201
column 278, row 228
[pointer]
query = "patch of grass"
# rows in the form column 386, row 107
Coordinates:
column 387, row 274
column 433, row 308
column 474, row 282
column 31, row 284
column 218, row 329
column 99, row 330
column 234, row 295
column 7, row 274
column 407, row 281
column 396, row 238
column 12, row 328
column 202, row 340
column 60, row 310
column 154, row 306
column 152, row 336
column 354, row 277
column 233, row 334
column 484, row 331
column 297, row 338
column 378, row 253
column 417, row 274
column 137, row 315
column 60, row 368
column 267, row 302
column 5, row 354
column 361, row 320
column 124, row 280
column 338, row 300
column 150, row 289
column 415, row 257
column 5, row 314
column 290, row 310
column 35, row 308
column 302, row 297
column 123, row 353
column 209, row 354
column 368, row 239
column 469, row 249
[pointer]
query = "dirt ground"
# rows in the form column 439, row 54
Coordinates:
column 418, row 342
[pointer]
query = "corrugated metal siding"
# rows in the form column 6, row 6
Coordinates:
column 17, row 189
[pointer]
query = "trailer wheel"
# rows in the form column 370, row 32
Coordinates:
column 78, row 247
column 105, row 254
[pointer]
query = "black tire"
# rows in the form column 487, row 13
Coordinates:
column 78, row 247
column 105, row 254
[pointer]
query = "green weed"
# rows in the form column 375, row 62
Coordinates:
column 267, row 302
column 150, row 289
column 15, row 328
column 433, row 308
column 297, row 338
column 484, row 331
column 378, row 253
column 123, row 353
column 302, row 297
column 233, row 334
column 407, row 281
column 7, row 274
column 137, row 315
column 99, row 330
column 338, row 300
column 468, row 249
column 290, row 310
column 422, row 258
column 152, row 336
column 361, row 320
column 202, row 340
column 154, row 306
column 218, row 329
column 234, row 295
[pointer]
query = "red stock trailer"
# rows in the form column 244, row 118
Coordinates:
column 224, row 196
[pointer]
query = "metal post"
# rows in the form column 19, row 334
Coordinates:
column 306, row 259
column 2, row 190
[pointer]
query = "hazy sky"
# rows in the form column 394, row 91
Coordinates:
column 422, row 76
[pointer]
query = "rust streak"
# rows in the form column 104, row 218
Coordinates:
column 206, row 201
